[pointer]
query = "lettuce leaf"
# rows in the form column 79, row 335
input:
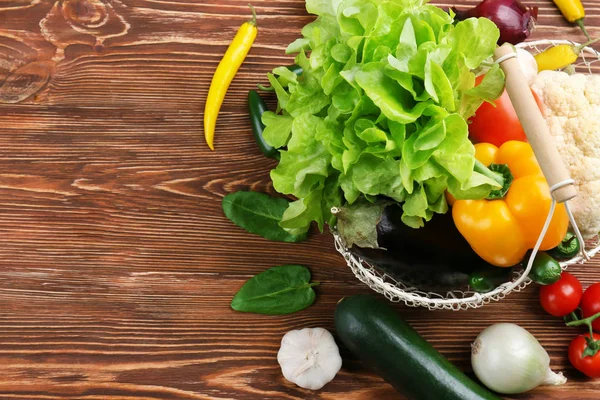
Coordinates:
column 381, row 109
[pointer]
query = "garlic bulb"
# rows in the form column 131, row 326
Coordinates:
column 309, row 357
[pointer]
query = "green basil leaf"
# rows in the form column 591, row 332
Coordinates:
column 278, row 290
column 260, row 214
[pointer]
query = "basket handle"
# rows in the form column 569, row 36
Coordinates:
column 535, row 126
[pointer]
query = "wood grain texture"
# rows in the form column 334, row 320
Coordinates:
column 116, row 264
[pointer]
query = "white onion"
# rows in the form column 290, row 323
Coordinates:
column 508, row 359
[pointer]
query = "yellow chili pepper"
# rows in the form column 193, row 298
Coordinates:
column 228, row 67
column 501, row 231
column 561, row 56
column 573, row 11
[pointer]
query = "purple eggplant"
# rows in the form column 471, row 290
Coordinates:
column 433, row 257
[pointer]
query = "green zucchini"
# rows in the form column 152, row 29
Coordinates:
column 374, row 332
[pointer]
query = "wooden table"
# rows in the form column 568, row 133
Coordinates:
column 117, row 264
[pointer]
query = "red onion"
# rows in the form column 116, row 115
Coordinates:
column 515, row 21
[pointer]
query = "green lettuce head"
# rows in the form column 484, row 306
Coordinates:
column 380, row 109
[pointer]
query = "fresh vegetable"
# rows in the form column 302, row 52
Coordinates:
column 260, row 214
column 296, row 69
column 568, row 248
column 545, row 269
column 574, row 12
column 309, row 357
column 501, row 231
column 508, row 359
column 373, row 332
column 590, row 304
column 380, row 109
column 515, row 21
column 583, row 350
column 562, row 297
column 438, row 252
column 528, row 65
column 226, row 70
column 256, row 108
column 486, row 279
column 497, row 123
column 589, row 364
column 560, row 56
column 278, row 290
column 571, row 106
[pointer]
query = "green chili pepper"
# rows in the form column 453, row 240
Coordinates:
column 545, row 269
column 486, row 279
column 568, row 248
column 257, row 107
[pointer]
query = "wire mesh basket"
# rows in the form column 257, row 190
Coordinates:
column 396, row 290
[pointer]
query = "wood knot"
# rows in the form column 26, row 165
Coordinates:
column 26, row 81
column 88, row 22
column 87, row 13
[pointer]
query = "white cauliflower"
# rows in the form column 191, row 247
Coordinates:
column 572, row 110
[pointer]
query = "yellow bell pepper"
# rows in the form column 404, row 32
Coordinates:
column 501, row 231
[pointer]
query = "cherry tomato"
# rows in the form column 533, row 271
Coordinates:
column 562, row 297
column 589, row 365
column 498, row 124
column 590, row 304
